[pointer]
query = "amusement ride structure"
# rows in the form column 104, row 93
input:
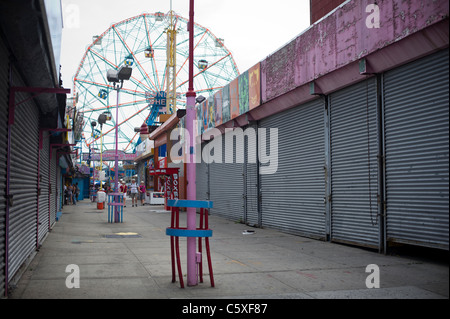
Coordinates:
column 156, row 47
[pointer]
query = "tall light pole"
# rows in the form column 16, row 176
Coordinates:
column 117, row 77
column 101, row 121
column 190, row 165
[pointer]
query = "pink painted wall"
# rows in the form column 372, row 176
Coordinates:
column 343, row 38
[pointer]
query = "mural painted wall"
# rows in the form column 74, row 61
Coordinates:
column 254, row 87
column 236, row 98
column 243, row 93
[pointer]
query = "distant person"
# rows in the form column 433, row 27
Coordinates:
column 74, row 194
column 142, row 192
column 77, row 193
column 65, row 194
column 134, row 191
column 69, row 194
column 124, row 189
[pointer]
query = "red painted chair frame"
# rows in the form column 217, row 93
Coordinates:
column 175, row 246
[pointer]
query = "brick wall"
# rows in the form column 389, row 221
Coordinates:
column 320, row 8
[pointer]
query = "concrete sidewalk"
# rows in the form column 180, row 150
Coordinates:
column 265, row 265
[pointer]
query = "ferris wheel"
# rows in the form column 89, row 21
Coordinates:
column 156, row 47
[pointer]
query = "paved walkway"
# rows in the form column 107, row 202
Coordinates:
column 265, row 265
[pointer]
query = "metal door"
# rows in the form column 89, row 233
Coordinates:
column 226, row 186
column 43, row 222
column 416, row 111
column 293, row 197
column 202, row 179
column 354, row 172
column 4, row 67
column 23, row 181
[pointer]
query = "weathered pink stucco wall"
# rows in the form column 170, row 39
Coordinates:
column 342, row 38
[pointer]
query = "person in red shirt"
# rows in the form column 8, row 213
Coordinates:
column 142, row 191
column 123, row 189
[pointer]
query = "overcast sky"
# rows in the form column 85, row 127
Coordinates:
column 252, row 29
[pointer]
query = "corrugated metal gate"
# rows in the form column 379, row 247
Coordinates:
column 4, row 71
column 354, row 172
column 44, row 187
column 416, row 123
column 226, row 186
column 293, row 197
column 23, row 177
column 202, row 179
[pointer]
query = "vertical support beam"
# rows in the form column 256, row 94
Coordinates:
column 41, row 137
column 258, row 176
column 327, row 168
column 381, row 166
column 191, row 169
column 314, row 89
column 116, row 162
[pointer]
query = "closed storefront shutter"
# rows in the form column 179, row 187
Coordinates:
column 416, row 114
column 24, row 168
column 226, row 186
column 202, row 179
column 44, row 186
column 293, row 197
column 354, row 172
column 3, row 155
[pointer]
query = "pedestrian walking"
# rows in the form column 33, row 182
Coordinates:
column 124, row 189
column 134, row 191
column 76, row 193
column 69, row 194
column 142, row 192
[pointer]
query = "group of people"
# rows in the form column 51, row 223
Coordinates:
column 71, row 193
column 135, row 191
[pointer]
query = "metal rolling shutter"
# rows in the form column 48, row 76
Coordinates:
column 3, row 154
column 44, row 186
column 354, row 172
column 252, row 217
column 24, row 164
column 227, row 187
column 202, row 180
column 293, row 197
column 416, row 114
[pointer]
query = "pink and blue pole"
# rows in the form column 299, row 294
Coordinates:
column 190, row 165
column 116, row 162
